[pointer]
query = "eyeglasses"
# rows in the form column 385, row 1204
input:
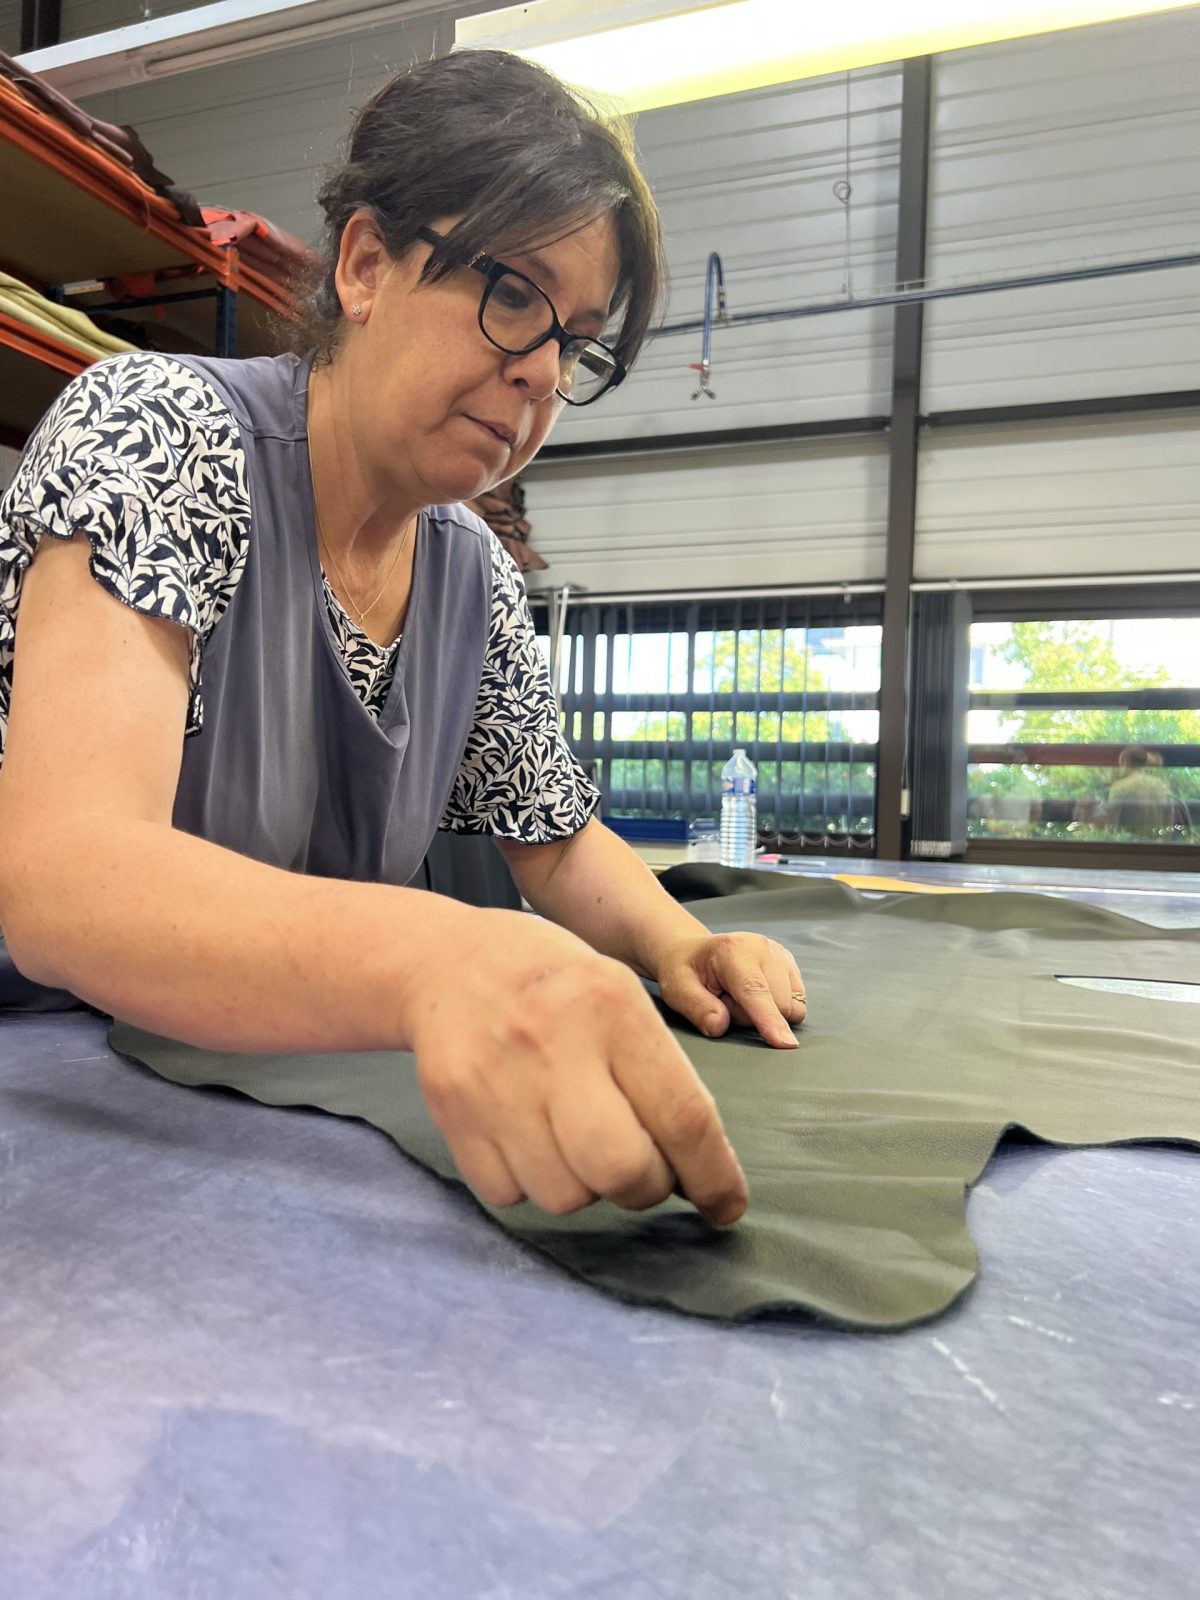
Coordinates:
column 518, row 317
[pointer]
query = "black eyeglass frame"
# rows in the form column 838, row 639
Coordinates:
column 493, row 271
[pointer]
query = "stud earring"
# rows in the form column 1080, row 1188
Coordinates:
column 356, row 311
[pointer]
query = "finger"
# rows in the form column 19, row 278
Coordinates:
column 742, row 1019
column 686, row 992
column 797, row 991
column 538, row 1165
column 749, row 987
column 680, row 1115
column 786, row 983
column 794, row 1010
column 737, row 1016
column 606, row 1147
column 486, row 1173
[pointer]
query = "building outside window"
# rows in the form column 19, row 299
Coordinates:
column 1085, row 730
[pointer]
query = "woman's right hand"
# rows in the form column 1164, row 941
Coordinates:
column 552, row 1077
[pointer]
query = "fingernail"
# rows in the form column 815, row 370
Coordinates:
column 730, row 1214
column 711, row 1024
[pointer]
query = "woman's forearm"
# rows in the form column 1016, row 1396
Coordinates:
column 596, row 886
column 187, row 939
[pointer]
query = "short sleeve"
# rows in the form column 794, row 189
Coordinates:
column 518, row 778
column 144, row 457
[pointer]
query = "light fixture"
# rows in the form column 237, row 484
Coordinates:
column 209, row 36
column 645, row 53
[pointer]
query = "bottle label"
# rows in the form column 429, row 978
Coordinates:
column 739, row 785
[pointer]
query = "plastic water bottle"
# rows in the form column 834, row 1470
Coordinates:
column 739, row 811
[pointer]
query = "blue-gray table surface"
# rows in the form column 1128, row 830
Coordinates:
column 248, row 1354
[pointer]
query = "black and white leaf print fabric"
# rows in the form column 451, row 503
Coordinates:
column 142, row 456
column 369, row 666
column 518, row 778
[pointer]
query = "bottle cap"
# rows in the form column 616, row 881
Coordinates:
column 739, row 752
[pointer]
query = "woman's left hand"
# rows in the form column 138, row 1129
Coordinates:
column 734, row 977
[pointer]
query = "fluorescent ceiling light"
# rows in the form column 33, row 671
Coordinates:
column 644, row 53
column 208, row 36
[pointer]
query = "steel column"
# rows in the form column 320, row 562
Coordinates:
column 227, row 310
column 902, row 460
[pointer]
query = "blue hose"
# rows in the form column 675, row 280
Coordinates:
column 714, row 288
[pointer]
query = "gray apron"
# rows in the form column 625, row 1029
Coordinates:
column 290, row 767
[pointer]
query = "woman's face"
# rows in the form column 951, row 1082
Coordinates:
column 437, row 412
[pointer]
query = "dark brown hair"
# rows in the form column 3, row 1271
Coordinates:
column 522, row 160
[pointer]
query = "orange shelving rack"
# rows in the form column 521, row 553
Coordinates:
column 71, row 214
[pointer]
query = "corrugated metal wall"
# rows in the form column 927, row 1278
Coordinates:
column 1064, row 498
column 1067, row 147
column 257, row 133
column 10, row 26
column 745, row 518
column 1076, row 146
column 81, row 17
column 752, row 177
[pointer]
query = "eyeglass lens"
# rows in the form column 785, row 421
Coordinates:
column 517, row 316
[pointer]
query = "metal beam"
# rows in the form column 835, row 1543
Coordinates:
column 1051, row 854
column 780, row 433
column 1087, row 699
column 1074, row 755
column 725, row 596
column 1165, row 596
column 1115, row 405
column 902, row 459
column 804, row 804
column 816, row 700
column 227, row 312
column 1159, row 582
column 814, row 752
column 138, row 302
column 783, row 433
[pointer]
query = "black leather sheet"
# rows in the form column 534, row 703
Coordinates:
column 935, row 1024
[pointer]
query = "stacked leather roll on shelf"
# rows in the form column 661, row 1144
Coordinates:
column 74, row 329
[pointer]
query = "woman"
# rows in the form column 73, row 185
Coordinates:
column 257, row 653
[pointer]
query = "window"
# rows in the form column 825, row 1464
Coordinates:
column 1085, row 730
column 655, row 698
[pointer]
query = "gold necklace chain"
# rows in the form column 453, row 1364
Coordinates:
column 363, row 612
